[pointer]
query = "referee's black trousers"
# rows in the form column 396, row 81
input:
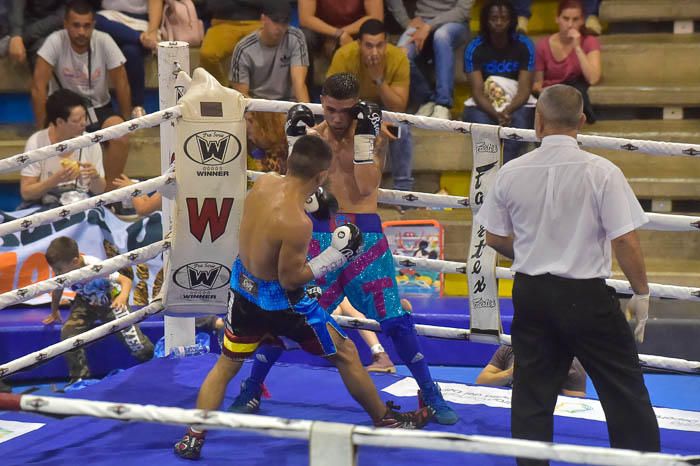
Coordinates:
column 556, row 319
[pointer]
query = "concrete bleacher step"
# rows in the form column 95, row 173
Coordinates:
column 649, row 10
column 671, row 257
column 144, row 150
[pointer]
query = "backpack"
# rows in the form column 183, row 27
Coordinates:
column 180, row 22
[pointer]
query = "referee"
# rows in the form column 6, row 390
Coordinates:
column 558, row 212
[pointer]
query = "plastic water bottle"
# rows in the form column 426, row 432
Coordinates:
column 191, row 350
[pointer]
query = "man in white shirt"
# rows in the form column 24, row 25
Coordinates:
column 69, row 176
column 86, row 61
column 559, row 212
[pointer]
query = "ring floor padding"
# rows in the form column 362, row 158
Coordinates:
column 297, row 391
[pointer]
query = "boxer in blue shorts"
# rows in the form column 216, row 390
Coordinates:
column 268, row 301
column 353, row 130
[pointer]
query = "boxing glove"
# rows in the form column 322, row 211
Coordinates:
column 369, row 124
column 346, row 245
column 321, row 204
column 299, row 117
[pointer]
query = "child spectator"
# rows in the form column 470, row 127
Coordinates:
column 68, row 177
column 134, row 26
column 104, row 299
column 267, row 142
column 500, row 64
column 568, row 56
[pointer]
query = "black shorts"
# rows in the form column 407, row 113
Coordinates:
column 101, row 114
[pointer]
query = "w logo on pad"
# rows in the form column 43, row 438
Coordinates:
column 213, row 149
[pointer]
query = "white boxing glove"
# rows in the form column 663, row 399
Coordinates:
column 345, row 246
column 638, row 309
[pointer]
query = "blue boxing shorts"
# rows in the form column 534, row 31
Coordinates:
column 262, row 311
column 369, row 281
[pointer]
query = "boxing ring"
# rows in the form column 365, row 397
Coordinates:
column 154, row 392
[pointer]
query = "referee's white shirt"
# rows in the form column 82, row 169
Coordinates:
column 563, row 206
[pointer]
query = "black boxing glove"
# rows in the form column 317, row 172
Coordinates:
column 345, row 246
column 369, row 124
column 299, row 117
column 321, row 204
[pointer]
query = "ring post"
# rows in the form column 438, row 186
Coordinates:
column 173, row 57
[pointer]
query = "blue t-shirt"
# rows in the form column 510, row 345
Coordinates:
column 507, row 62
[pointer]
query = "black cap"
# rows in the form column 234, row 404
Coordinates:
column 279, row 11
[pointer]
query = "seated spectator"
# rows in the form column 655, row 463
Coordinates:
column 31, row 21
column 500, row 64
column 329, row 24
column 272, row 62
column 446, row 24
column 86, row 62
column 100, row 299
column 134, row 26
column 590, row 8
column 568, row 56
column 383, row 72
column 267, row 142
column 67, row 177
column 4, row 42
column 231, row 20
column 499, row 372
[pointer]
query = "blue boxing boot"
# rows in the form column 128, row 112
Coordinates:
column 432, row 397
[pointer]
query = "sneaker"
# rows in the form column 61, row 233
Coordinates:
column 248, row 401
column 190, row 446
column 138, row 111
column 382, row 363
column 433, row 399
column 522, row 24
column 442, row 112
column 413, row 420
column 426, row 109
column 593, row 26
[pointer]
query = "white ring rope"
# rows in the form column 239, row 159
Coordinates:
column 656, row 290
column 106, row 267
column 518, row 134
column 361, row 435
column 63, row 212
column 451, row 333
column 19, row 161
column 43, row 355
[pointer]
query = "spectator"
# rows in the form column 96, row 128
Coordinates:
column 103, row 298
column 329, row 24
column 86, row 62
column 445, row 22
column 500, row 64
column 272, row 62
column 30, row 22
column 499, row 372
column 134, row 26
column 267, row 142
column 568, row 57
column 590, row 8
column 383, row 72
column 4, row 42
column 67, row 177
column 231, row 20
